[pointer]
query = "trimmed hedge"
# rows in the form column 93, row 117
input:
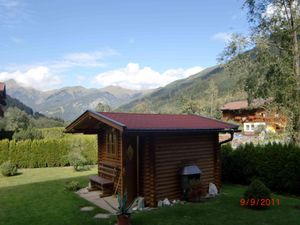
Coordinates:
column 4, row 151
column 47, row 152
column 277, row 165
column 53, row 133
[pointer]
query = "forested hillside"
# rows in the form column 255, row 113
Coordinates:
column 20, row 121
column 202, row 93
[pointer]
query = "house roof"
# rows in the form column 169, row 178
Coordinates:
column 153, row 122
column 243, row 104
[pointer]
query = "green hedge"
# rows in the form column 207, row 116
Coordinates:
column 277, row 165
column 53, row 133
column 47, row 152
column 4, row 151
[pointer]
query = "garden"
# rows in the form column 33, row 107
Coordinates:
column 38, row 196
column 46, row 195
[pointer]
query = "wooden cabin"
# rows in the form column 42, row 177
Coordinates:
column 254, row 116
column 143, row 154
column 2, row 98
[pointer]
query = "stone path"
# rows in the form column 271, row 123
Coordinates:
column 87, row 209
column 102, row 216
column 94, row 198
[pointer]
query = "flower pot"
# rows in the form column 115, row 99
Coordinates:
column 123, row 220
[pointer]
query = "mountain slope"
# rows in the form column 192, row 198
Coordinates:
column 69, row 102
column 168, row 99
column 13, row 102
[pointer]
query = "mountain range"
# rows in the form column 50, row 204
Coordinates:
column 69, row 102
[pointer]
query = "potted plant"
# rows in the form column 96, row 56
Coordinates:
column 123, row 211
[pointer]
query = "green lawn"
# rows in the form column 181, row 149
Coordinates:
column 37, row 197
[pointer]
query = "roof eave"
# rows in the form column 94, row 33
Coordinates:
column 98, row 116
column 218, row 130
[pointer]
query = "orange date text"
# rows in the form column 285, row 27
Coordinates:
column 263, row 202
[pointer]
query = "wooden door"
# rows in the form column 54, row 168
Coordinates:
column 130, row 159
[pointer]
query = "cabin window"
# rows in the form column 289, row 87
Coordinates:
column 111, row 143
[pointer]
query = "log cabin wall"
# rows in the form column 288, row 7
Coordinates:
column 173, row 151
column 217, row 162
column 147, row 173
column 115, row 162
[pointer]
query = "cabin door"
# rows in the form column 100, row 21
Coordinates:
column 130, row 154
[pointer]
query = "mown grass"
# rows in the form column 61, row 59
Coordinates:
column 37, row 197
column 224, row 210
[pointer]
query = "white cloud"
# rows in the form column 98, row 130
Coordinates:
column 135, row 77
column 83, row 59
column 222, row 36
column 37, row 77
column 44, row 75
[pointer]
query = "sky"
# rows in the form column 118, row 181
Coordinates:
column 94, row 43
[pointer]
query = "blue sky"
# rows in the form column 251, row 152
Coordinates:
column 95, row 43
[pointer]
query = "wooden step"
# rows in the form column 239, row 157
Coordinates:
column 101, row 181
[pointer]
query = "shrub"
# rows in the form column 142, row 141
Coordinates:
column 8, row 169
column 28, row 134
column 78, row 161
column 259, row 191
column 72, row 186
column 277, row 165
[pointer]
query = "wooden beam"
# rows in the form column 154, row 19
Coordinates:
column 98, row 117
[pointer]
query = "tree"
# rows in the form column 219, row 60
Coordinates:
column 28, row 134
column 212, row 93
column 16, row 120
column 269, row 58
column 143, row 107
column 190, row 107
column 103, row 107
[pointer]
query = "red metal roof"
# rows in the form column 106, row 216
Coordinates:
column 243, row 104
column 140, row 121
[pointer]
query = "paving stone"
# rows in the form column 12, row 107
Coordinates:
column 83, row 191
column 87, row 208
column 94, row 198
column 102, row 216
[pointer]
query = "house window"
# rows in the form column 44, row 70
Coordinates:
column 247, row 127
column 111, row 143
